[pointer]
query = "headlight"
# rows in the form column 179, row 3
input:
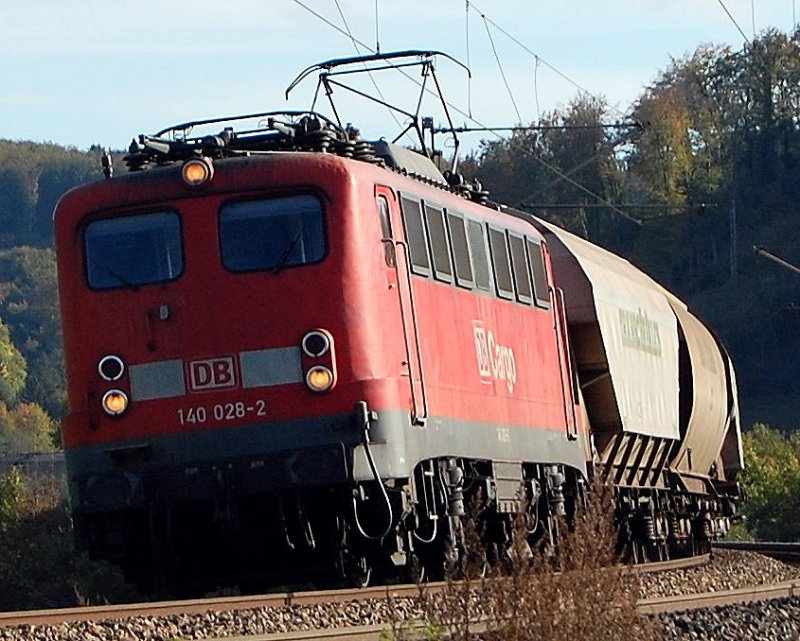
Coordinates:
column 111, row 367
column 197, row 172
column 319, row 379
column 115, row 402
column 316, row 343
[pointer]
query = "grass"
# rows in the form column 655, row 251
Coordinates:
column 578, row 590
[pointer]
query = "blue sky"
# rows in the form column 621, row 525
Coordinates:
column 90, row 71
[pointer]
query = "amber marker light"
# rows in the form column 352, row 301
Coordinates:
column 197, row 172
column 319, row 379
column 115, row 402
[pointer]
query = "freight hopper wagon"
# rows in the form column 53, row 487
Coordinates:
column 660, row 394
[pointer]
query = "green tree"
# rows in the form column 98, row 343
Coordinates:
column 26, row 428
column 13, row 370
column 29, row 303
column 32, row 179
column 772, row 481
column 561, row 168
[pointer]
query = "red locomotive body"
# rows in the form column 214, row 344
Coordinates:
column 212, row 309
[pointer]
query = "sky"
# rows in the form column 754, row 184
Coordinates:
column 100, row 72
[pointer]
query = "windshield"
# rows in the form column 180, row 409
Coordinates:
column 272, row 233
column 133, row 250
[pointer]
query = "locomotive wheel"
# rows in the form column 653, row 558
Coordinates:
column 638, row 552
column 358, row 571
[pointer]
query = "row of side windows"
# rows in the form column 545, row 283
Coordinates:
column 473, row 254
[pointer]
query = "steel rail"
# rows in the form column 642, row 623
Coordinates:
column 646, row 606
column 702, row 600
column 654, row 606
column 212, row 604
column 276, row 600
column 676, row 603
column 788, row 552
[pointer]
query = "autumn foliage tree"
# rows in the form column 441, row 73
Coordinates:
column 13, row 371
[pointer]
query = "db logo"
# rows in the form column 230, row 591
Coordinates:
column 212, row 373
column 494, row 361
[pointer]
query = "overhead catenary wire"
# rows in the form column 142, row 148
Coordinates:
column 500, row 67
column 537, row 57
column 469, row 77
column 522, row 149
column 358, row 51
column 733, row 20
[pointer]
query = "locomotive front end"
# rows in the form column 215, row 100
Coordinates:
column 213, row 406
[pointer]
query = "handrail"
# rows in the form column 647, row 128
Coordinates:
column 417, row 418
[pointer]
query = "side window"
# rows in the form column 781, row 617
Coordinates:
column 539, row 274
column 458, row 241
column 272, row 233
column 129, row 251
column 502, row 267
column 519, row 266
column 442, row 268
column 480, row 256
column 386, row 230
column 415, row 235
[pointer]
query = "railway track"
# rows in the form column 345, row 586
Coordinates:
column 786, row 552
column 213, row 607
column 221, row 604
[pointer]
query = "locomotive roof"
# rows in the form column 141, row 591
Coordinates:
column 311, row 131
column 287, row 131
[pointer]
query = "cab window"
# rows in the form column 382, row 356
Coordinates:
column 130, row 251
column 272, row 233
column 386, row 230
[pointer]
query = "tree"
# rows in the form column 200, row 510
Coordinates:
column 32, row 179
column 25, row 428
column 772, row 481
column 12, row 368
column 29, row 303
column 561, row 168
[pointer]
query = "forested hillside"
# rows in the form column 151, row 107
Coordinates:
column 706, row 167
column 32, row 396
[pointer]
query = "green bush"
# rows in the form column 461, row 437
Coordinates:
column 39, row 566
column 771, row 480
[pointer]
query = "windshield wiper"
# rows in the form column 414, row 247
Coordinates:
column 287, row 252
column 124, row 281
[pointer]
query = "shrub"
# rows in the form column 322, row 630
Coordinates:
column 39, row 566
column 578, row 590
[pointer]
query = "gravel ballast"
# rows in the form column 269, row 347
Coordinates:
column 730, row 569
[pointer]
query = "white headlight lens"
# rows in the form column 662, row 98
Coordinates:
column 316, row 343
column 111, row 367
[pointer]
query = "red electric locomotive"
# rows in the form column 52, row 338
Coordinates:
column 293, row 356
